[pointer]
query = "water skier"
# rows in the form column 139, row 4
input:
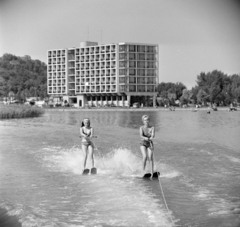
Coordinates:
column 86, row 133
column 147, row 134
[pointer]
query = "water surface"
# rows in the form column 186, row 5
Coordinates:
column 196, row 153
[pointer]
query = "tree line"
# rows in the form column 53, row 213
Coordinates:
column 22, row 77
column 212, row 88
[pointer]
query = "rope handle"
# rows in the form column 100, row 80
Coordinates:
column 92, row 137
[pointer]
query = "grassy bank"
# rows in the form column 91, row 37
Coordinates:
column 19, row 111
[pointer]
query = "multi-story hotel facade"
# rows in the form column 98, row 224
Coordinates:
column 110, row 74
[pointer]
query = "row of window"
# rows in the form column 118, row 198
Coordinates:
column 96, row 49
column 56, row 68
column 136, row 88
column 93, row 83
column 106, row 98
column 137, row 48
column 58, row 90
column 105, row 57
column 137, row 64
column 96, row 65
column 139, row 56
column 56, row 60
column 137, row 80
column 137, row 72
column 56, row 82
column 97, row 57
column 56, row 75
column 56, row 53
column 95, row 89
column 104, row 49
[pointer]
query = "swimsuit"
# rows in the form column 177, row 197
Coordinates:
column 87, row 142
column 146, row 143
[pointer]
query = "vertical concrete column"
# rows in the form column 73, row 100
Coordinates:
column 91, row 100
column 128, row 99
column 154, row 101
column 101, row 102
column 117, row 100
column 123, row 100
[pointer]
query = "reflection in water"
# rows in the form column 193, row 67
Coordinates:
column 127, row 119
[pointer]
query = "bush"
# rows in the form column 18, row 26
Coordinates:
column 19, row 111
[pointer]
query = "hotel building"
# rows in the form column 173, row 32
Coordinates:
column 110, row 74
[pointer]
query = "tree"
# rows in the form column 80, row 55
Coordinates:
column 20, row 73
column 202, row 97
column 186, row 97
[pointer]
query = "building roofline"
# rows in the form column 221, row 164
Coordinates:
column 148, row 44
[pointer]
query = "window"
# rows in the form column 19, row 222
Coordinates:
column 150, row 57
column 141, row 48
column 151, row 72
column 151, row 80
column 132, row 88
column 122, row 56
column 141, row 64
column 132, row 64
column 122, row 88
column 150, row 88
column 150, row 64
column 141, row 88
column 122, row 72
column 132, row 80
column 132, row 72
column 121, row 79
column 122, row 48
column 131, row 56
column 132, row 48
column 141, row 72
column 141, row 56
column 150, row 49
column 141, row 80
column 122, row 64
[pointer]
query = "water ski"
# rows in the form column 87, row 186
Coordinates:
column 148, row 175
column 86, row 171
column 94, row 171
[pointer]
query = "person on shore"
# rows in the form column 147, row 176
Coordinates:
column 86, row 133
column 208, row 110
column 147, row 133
column 231, row 107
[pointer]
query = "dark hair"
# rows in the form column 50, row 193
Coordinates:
column 82, row 125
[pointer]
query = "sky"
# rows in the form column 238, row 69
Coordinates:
column 194, row 36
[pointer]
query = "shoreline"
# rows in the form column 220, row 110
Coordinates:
column 132, row 109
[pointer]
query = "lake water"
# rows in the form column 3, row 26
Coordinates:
column 197, row 154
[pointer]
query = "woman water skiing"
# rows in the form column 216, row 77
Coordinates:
column 147, row 134
column 86, row 133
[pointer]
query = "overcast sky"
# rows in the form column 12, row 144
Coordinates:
column 193, row 35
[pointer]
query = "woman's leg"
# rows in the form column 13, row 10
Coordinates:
column 150, row 158
column 84, row 148
column 90, row 153
column 144, row 157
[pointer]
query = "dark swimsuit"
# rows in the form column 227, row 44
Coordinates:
column 87, row 143
column 146, row 143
